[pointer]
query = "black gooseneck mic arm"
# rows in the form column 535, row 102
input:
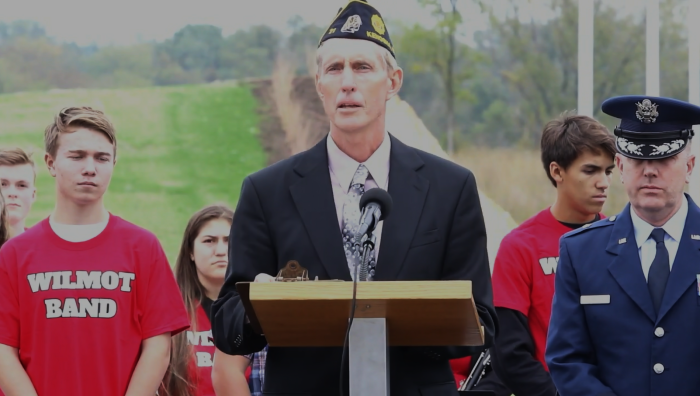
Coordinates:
column 368, row 241
column 375, row 205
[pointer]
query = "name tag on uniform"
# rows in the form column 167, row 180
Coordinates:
column 596, row 299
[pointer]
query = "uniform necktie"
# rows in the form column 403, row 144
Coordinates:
column 351, row 221
column 659, row 270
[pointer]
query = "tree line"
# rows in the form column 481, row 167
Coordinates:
column 498, row 92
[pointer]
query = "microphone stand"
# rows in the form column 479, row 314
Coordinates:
column 368, row 244
column 368, row 241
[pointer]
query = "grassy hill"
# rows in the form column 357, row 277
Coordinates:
column 179, row 149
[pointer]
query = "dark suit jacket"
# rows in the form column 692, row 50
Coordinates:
column 286, row 212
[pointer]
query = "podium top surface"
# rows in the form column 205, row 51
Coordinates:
column 375, row 290
column 316, row 313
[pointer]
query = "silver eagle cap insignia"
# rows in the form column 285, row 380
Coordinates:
column 646, row 111
column 352, row 24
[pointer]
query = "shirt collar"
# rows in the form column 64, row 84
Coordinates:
column 344, row 167
column 673, row 227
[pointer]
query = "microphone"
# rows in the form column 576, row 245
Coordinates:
column 375, row 205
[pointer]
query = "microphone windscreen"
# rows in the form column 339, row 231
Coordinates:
column 379, row 196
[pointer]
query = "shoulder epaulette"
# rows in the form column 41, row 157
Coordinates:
column 591, row 226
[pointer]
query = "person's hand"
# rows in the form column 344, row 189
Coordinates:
column 264, row 278
column 261, row 278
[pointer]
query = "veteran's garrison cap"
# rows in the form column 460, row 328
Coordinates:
column 359, row 20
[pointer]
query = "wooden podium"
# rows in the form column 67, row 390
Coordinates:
column 394, row 313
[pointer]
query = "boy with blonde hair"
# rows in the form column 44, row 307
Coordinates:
column 88, row 302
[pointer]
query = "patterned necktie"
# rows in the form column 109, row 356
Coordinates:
column 351, row 222
column 659, row 270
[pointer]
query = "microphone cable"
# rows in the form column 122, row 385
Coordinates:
column 347, row 332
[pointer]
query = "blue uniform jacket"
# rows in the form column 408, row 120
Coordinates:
column 624, row 348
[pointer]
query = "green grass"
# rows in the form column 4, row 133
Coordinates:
column 179, row 149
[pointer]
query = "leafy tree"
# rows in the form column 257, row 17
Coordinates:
column 196, row 48
column 302, row 43
column 441, row 53
column 36, row 64
column 538, row 60
column 673, row 49
column 20, row 28
column 249, row 53
column 126, row 66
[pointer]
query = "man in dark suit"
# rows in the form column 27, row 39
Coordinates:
column 626, row 306
column 305, row 207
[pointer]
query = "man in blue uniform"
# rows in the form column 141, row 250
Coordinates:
column 626, row 309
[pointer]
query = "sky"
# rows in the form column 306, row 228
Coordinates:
column 128, row 21
column 124, row 22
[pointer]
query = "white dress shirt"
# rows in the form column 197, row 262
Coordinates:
column 647, row 246
column 342, row 169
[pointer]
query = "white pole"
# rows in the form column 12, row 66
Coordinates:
column 693, row 52
column 652, row 39
column 694, row 83
column 585, row 57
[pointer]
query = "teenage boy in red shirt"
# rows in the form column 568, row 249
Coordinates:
column 88, row 302
column 578, row 156
column 18, row 185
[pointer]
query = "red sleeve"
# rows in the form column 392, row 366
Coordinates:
column 161, row 303
column 512, row 275
column 9, row 300
column 248, row 370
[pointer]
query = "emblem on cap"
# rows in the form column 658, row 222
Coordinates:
column 646, row 111
column 667, row 147
column 378, row 24
column 352, row 24
column 629, row 147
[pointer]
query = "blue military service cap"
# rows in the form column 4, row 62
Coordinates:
column 359, row 20
column 651, row 127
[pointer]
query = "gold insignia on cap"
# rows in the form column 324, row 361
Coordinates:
column 378, row 24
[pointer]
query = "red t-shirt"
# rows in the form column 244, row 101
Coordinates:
column 460, row 369
column 78, row 312
column 203, row 350
column 524, row 270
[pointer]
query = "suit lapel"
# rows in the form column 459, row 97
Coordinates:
column 313, row 197
column 408, row 191
column 626, row 268
column 685, row 265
